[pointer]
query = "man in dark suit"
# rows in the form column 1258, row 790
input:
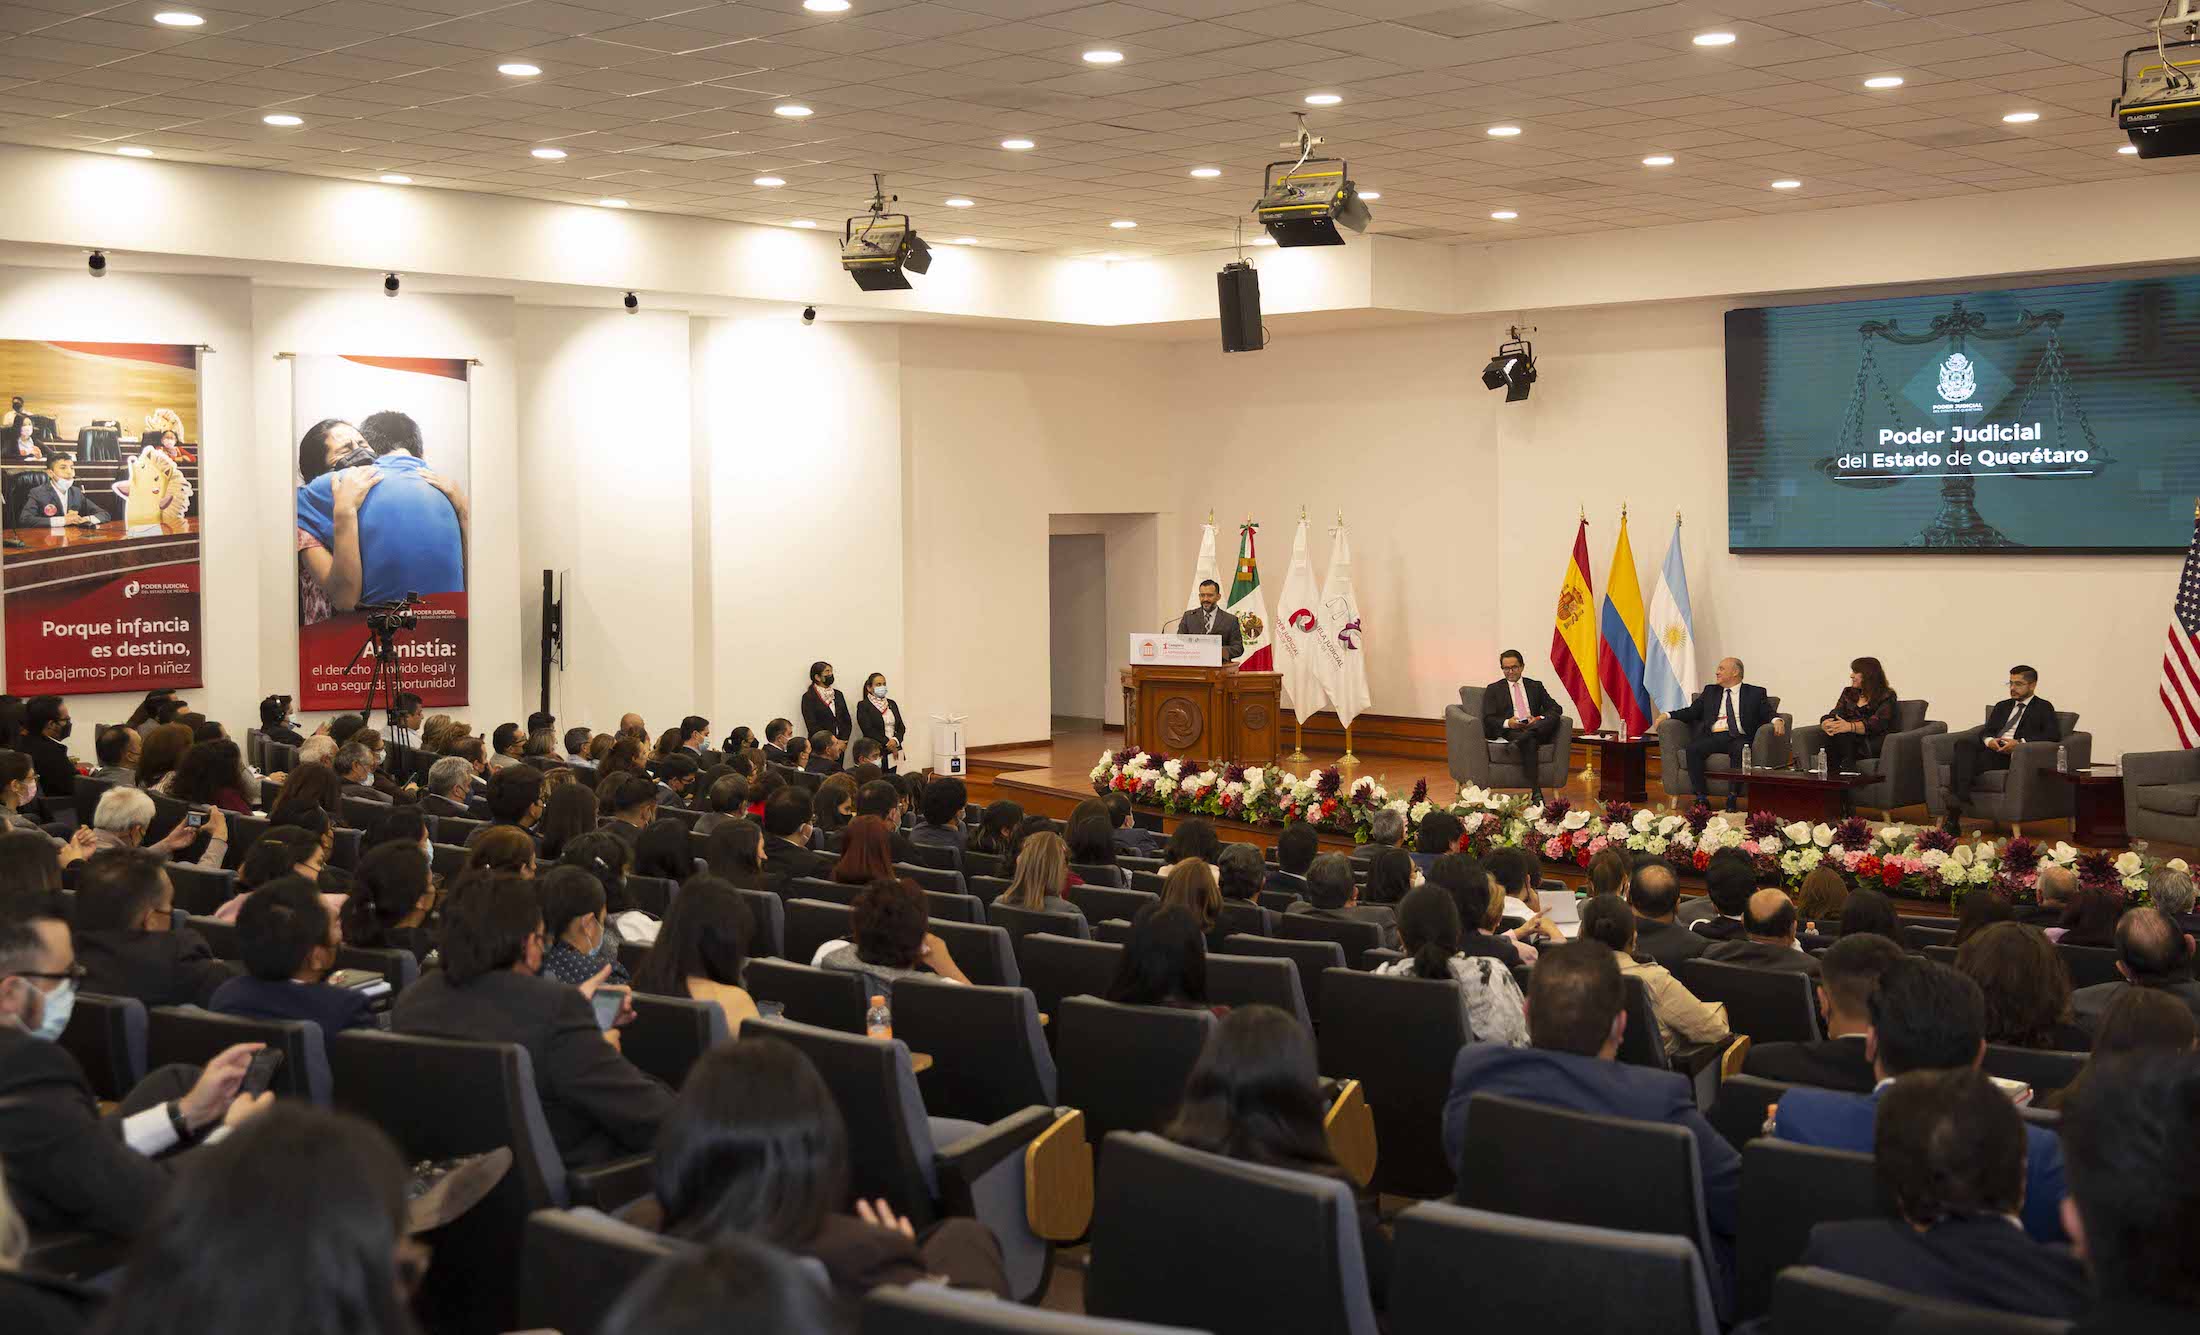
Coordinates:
column 880, row 798
column 776, row 734
column 1949, row 1153
column 450, row 784
column 1386, row 828
column 1209, row 619
column 1334, row 895
column 68, row 1169
column 1577, row 1012
column 2023, row 717
column 59, row 496
column 289, row 940
column 1654, row 893
column 1768, row 940
column 1925, row 1017
column 2055, row 887
column 825, row 750
column 1128, row 837
column 1518, row 710
column 1726, row 715
column 46, row 728
column 945, row 797
column 595, row 1104
column 355, row 767
column 126, row 938
column 1729, row 880
column 787, row 854
column 2130, row 1134
column 2150, row 952
column 1848, row 975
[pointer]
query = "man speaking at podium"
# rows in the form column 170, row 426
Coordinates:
column 1208, row 619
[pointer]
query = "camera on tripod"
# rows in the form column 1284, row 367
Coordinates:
column 390, row 618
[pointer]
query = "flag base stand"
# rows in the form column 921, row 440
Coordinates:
column 1348, row 761
column 1298, row 754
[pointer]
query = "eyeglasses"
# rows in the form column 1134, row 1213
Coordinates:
column 75, row 973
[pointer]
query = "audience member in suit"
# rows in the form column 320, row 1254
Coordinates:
column 118, row 749
column 594, row 1102
column 1726, row 715
column 787, row 855
column 1334, row 895
column 2133, row 1140
column 1925, row 1017
column 1949, row 1151
column 1518, row 712
column 450, row 784
column 1654, row 892
column 1729, row 880
column 1769, row 943
column 46, row 727
column 576, row 749
column 941, row 823
column 825, row 753
column 728, row 799
column 2056, row 887
column 1386, row 828
column 67, row 1169
column 1210, row 619
column 1439, row 833
column 2023, row 717
column 1296, row 848
column 59, row 496
column 2027, row 988
column 798, row 753
column 1577, row 1014
column 776, row 734
column 1848, row 976
column 289, row 941
column 2172, row 893
column 677, row 775
column 631, row 800
column 1144, row 843
column 126, row 938
column 355, row 767
column 276, row 724
column 2151, row 953
column 878, row 720
column 882, row 799
column 823, row 708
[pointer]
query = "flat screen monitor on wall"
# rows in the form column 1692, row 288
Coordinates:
column 2057, row 419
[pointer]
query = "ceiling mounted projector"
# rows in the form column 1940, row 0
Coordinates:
column 881, row 250
column 2158, row 108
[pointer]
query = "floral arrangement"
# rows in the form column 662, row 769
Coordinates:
column 1906, row 861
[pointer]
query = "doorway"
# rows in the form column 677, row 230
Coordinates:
column 1077, row 622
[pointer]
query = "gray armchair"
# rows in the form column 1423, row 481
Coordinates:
column 2021, row 793
column 1474, row 758
column 1900, row 763
column 2162, row 795
column 1767, row 750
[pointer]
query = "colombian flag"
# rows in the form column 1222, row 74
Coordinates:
column 1574, row 634
column 1620, row 647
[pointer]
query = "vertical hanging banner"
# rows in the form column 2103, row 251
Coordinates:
column 99, row 451
column 380, row 522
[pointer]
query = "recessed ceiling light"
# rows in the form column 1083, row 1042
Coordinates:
column 611, row 203
column 958, row 202
column 802, row 222
column 135, row 151
column 394, row 178
column 177, row 18
column 1658, row 160
column 1502, row 131
column 2129, row 150
column 792, row 110
column 1884, row 81
column 281, row 119
column 1322, row 99
column 519, row 69
column 1018, row 145
column 1371, row 194
column 769, row 182
column 1714, row 39
column 2021, row 117
column 1787, row 185
column 825, row 6
column 1122, row 224
column 548, row 154
column 1206, row 173
column 1504, row 215
column 1103, row 57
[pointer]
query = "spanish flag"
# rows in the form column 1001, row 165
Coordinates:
column 1620, row 647
column 1574, row 634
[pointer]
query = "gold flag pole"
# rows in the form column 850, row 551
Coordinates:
column 1298, row 754
column 1348, row 761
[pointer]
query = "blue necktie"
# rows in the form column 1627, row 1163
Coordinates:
column 1732, row 725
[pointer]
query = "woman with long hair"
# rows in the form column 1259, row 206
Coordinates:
column 1255, row 1094
column 1860, row 719
column 161, row 749
column 2140, row 1019
column 866, row 853
column 1191, row 886
column 212, row 774
column 1390, row 875
column 392, row 903
column 702, row 949
column 1193, row 838
column 1042, row 874
column 501, row 850
column 1819, row 902
column 833, row 804
column 2027, row 988
column 569, row 814
column 18, row 789
column 607, row 858
column 1489, row 998
column 1982, row 909
column 311, row 784
column 1164, row 963
column 661, row 850
column 1870, row 912
column 996, row 827
column 2089, row 919
column 1091, row 834
column 735, row 854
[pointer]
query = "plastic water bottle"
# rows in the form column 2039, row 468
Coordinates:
column 1745, row 757
column 1821, row 763
column 878, row 1021
column 2062, row 756
column 1623, row 727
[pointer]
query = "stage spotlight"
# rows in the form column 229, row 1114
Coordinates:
column 632, row 303
column 389, row 285
column 97, row 263
column 881, row 251
column 809, row 314
column 1513, row 368
column 1308, row 200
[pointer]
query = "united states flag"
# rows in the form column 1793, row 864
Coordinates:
column 2181, row 663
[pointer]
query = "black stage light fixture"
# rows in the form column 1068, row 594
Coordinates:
column 389, row 285
column 1305, row 202
column 97, row 263
column 1513, row 368
column 2158, row 107
column 1237, row 294
column 632, row 303
column 881, row 251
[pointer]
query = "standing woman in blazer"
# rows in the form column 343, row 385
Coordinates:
column 878, row 717
column 823, row 708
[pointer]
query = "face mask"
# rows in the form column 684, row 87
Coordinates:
column 30, row 793
column 825, row 680
column 59, row 1003
column 359, row 456
column 62, row 732
column 878, row 692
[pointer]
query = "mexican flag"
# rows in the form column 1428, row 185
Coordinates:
column 1249, row 607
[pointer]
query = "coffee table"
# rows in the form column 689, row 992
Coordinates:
column 2096, row 805
column 1793, row 794
column 1623, row 766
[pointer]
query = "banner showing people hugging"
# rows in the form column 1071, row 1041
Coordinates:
column 99, row 565
column 381, row 522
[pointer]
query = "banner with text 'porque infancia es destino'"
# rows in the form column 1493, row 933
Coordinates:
column 99, row 448
column 381, row 516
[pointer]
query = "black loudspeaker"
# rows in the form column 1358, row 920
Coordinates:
column 1237, row 290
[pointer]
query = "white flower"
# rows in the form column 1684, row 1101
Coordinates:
column 1964, row 855
column 1951, row 873
column 1532, row 814
column 1797, row 832
column 1645, row 819
column 2064, row 854
column 1173, row 768
column 1822, row 835
column 1140, row 763
column 1473, row 820
column 1668, row 824
column 2129, row 864
column 1418, row 812
column 1935, row 858
column 1654, row 845
column 1575, row 819
column 1165, row 787
column 2177, row 864
column 1254, row 776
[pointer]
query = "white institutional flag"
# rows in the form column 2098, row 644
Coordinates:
column 1202, row 570
column 1345, row 677
column 1298, row 643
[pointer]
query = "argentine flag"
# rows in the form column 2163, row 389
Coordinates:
column 1669, row 673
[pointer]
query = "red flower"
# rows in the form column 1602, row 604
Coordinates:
column 1868, row 865
column 1581, row 857
column 1891, row 874
column 1702, row 859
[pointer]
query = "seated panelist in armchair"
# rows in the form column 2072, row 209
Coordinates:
column 1727, row 713
column 1860, row 718
column 1518, row 710
column 2026, row 716
column 1208, row 619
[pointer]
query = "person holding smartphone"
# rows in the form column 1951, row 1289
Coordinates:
column 289, row 941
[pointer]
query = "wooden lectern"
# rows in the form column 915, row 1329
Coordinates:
column 1204, row 713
